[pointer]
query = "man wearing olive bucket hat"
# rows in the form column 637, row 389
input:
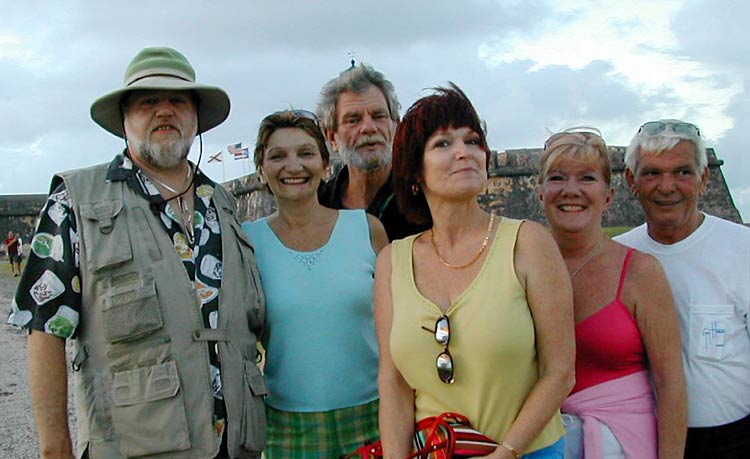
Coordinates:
column 128, row 260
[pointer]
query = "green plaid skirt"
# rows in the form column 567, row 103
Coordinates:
column 320, row 434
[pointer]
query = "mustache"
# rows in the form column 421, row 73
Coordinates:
column 375, row 138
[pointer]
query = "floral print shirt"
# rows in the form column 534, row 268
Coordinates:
column 49, row 292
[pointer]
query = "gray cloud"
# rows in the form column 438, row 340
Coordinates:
column 732, row 148
column 714, row 32
column 272, row 55
column 233, row 28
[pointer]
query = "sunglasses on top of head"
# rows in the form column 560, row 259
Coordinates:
column 584, row 130
column 298, row 113
column 678, row 127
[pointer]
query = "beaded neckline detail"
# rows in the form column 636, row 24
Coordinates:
column 308, row 259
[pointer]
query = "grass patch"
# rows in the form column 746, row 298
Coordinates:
column 613, row 231
column 5, row 267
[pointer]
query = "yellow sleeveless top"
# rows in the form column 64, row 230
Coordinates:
column 492, row 342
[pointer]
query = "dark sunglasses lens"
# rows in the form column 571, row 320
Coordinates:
column 442, row 331
column 445, row 367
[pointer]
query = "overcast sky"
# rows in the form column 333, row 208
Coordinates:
column 528, row 66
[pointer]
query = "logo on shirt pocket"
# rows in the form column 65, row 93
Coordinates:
column 709, row 326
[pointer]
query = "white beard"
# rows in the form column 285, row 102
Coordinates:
column 367, row 161
column 165, row 155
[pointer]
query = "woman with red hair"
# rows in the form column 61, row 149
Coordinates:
column 474, row 316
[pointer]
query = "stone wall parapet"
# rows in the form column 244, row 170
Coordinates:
column 512, row 190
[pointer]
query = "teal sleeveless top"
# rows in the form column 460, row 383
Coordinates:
column 321, row 347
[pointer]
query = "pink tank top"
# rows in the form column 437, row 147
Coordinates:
column 608, row 343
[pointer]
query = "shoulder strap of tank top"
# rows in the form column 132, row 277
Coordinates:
column 624, row 273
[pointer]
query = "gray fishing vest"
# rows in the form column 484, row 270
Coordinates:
column 143, row 380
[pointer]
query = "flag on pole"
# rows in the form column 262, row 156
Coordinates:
column 216, row 157
column 238, row 152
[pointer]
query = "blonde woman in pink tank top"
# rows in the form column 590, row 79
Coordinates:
column 627, row 333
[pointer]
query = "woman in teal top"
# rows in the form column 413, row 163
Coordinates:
column 317, row 265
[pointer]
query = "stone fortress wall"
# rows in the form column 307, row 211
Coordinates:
column 18, row 213
column 512, row 190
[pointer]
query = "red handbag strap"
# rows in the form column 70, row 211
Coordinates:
column 454, row 418
column 436, row 423
column 373, row 450
column 431, row 425
column 428, row 449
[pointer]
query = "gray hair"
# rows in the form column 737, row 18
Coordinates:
column 357, row 80
column 663, row 141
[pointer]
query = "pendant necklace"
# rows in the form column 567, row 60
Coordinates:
column 594, row 252
column 186, row 216
column 476, row 257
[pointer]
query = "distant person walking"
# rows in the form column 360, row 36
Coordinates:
column 20, row 252
column 11, row 247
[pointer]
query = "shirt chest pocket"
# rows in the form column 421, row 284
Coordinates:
column 714, row 331
column 105, row 234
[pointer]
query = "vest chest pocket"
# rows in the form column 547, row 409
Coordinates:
column 131, row 308
column 254, row 410
column 107, row 241
column 149, row 411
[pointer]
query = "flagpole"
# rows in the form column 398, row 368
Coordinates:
column 240, row 154
column 247, row 168
column 223, row 170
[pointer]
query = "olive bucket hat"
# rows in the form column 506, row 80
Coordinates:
column 161, row 68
